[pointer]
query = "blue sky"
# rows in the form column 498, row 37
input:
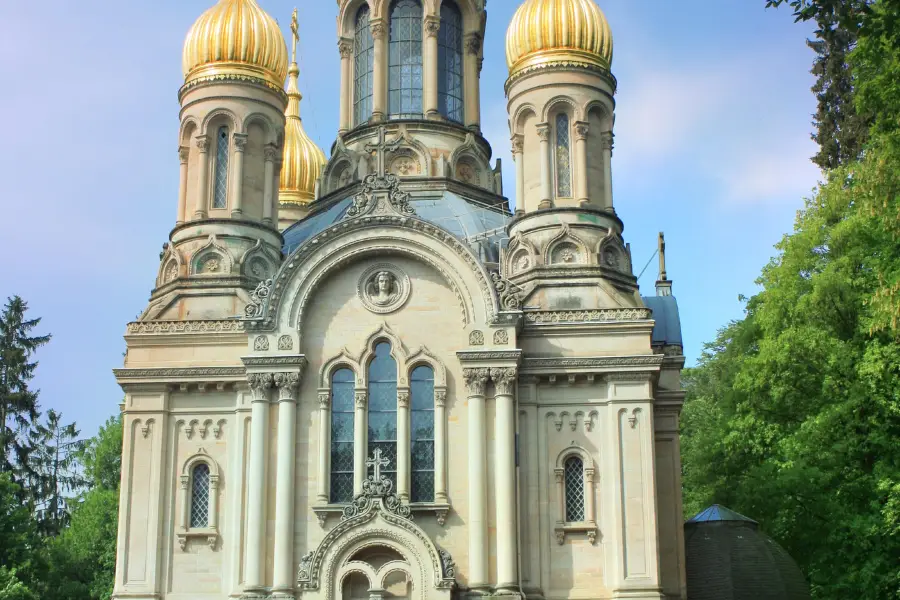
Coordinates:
column 712, row 147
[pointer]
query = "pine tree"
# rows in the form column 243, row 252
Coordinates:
column 18, row 404
column 55, row 471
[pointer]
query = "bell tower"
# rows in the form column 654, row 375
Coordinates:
column 231, row 139
column 566, row 247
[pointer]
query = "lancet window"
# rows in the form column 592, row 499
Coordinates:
column 220, row 193
column 382, row 416
column 405, row 64
column 342, row 430
column 450, row 63
column 364, row 59
column 422, row 434
column 574, row 486
column 200, row 496
column 563, row 157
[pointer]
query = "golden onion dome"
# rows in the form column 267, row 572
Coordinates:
column 235, row 37
column 544, row 33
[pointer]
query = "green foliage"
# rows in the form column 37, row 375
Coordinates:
column 11, row 588
column 20, row 542
column 56, row 471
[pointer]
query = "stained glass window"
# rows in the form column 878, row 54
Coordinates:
column 383, row 408
column 200, row 496
column 405, row 64
column 364, row 59
column 220, row 196
column 563, row 157
column 342, row 409
column 422, row 434
column 450, row 63
column 574, row 482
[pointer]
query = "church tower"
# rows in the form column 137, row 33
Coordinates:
column 231, row 137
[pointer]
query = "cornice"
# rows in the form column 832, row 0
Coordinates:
column 605, row 315
column 231, row 78
column 490, row 356
column 646, row 362
column 169, row 375
column 570, row 64
column 269, row 362
column 143, row 328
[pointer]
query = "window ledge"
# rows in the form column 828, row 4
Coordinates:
column 210, row 535
column 439, row 509
column 586, row 527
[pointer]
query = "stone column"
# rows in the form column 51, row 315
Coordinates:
column 476, row 380
column 254, row 577
column 184, row 153
column 269, row 184
column 518, row 151
column 360, row 442
column 440, row 444
column 237, row 180
column 322, row 473
column 202, row 177
column 589, row 510
column 607, row 141
column 472, row 68
column 283, row 577
column 505, row 381
column 430, row 66
column 581, row 163
column 403, row 444
column 543, row 131
column 379, row 88
column 345, row 47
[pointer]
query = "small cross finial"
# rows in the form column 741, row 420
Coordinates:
column 662, row 256
column 381, row 149
column 295, row 30
column 376, row 462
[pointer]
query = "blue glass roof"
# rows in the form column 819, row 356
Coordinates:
column 667, row 331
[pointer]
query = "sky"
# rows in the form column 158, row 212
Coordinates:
column 712, row 147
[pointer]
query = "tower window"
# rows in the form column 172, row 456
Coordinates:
column 563, row 157
column 220, row 193
column 342, row 428
column 574, row 482
column 422, row 434
column 364, row 67
column 405, row 65
column 450, row 63
column 383, row 408
column 200, row 496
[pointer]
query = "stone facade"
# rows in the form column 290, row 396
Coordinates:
column 548, row 410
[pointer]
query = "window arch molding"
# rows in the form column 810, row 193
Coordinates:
column 589, row 525
column 211, row 531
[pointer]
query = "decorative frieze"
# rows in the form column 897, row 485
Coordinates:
column 609, row 315
column 185, row 327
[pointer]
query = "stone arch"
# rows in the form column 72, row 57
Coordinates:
column 344, row 360
column 603, row 111
column 347, row 16
column 551, row 107
column 189, row 126
column 219, row 116
column 613, row 254
column 521, row 255
column 257, row 263
column 212, row 251
column 574, row 450
column 270, row 129
column 171, row 266
column 565, row 240
column 469, row 154
column 398, row 353
column 200, row 457
column 424, row 358
column 520, row 116
column 408, row 161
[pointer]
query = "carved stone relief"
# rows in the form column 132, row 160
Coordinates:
column 383, row 288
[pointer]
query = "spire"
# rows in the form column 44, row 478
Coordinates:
column 293, row 91
column 663, row 285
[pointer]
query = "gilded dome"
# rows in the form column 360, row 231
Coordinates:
column 558, row 32
column 303, row 159
column 235, row 37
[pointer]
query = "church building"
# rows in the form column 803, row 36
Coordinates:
column 365, row 377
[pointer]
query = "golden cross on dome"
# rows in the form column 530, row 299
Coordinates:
column 295, row 29
column 376, row 462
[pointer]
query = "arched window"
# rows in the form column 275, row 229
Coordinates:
column 563, row 157
column 342, row 384
column 220, row 195
column 200, row 496
column 422, row 438
column 383, row 409
column 405, row 65
column 364, row 58
column 574, row 482
column 450, row 63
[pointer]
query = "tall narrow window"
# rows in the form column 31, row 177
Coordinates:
column 200, row 496
column 405, row 67
column 574, row 481
column 342, row 409
column 563, row 157
column 220, row 195
column 450, row 63
column 422, row 434
column 383, row 409
column 364, row 67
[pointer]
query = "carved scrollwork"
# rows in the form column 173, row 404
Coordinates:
column 447, row 564
column 504, row 380
column 509, row 293
column 258, row 298
column 476, row 380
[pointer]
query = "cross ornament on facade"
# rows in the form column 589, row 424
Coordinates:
column 376, row 462
column 381, row 149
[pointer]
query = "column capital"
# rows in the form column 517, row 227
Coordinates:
column 403, row 398
column 432, row 25
column 440, row 397
column 324, row 399
column 379, row 28
column 543, row 131
column 202, row 142
column 505, row 380
column 240, row 141
column 581, row 130
column 271, row 151
column 287, row 384
column 606, row 139
column 345, row 47
column 260, row 384
column 184, row 152
column 361, row 398
column 476, row 380
column 518, row 143
column 473, row 43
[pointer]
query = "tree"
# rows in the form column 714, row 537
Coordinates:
column 56, row 471
column 18, row 404
column 20, row 545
